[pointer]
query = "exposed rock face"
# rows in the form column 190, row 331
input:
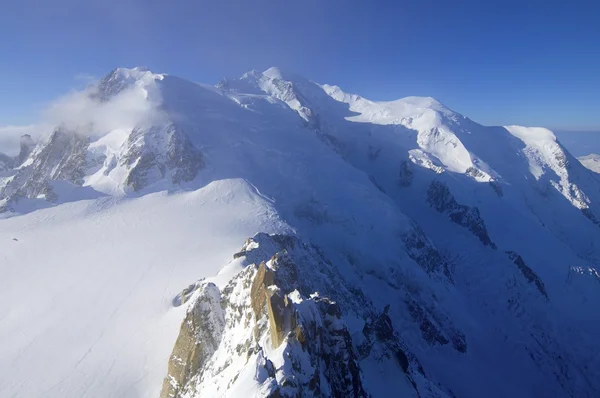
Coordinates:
column 159, row 152
column 62, row 158
column 442, row 200
column 264, row 292
column 148, row 155
column 527, row 272
column 284, row 320
column 380, row 330
column 431, row 332
column 422, row 251
column 474, row 172
column 263, row 279
column 587, row 212
column 198, row 338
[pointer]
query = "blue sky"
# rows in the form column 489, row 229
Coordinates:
column 498, row 62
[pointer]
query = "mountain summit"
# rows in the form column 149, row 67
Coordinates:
column 273, row 236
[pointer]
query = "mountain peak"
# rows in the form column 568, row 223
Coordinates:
column 274, row 72
column 121, row 78
column 402, row 250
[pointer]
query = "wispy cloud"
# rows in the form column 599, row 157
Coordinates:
column 85, row 77
column 10, row 136
column 83, row 112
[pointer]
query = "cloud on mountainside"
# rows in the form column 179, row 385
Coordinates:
column 83, row 112
column 10, row 136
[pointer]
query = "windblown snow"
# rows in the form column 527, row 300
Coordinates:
column 272, row 236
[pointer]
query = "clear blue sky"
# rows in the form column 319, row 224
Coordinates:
column 498, row 62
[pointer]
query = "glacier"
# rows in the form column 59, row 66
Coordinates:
column 273, row 236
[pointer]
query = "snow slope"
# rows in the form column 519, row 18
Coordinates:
column 451, row 258
column 87, row 286
column 591, row 161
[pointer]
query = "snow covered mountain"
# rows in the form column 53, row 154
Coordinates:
column 391, row 248
column 591, row 161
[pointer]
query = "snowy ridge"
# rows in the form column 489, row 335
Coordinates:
column 391, row 247
column 276, row 329
column 591, row 161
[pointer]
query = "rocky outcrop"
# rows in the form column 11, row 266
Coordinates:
column 159, row 152
column 281, row 321
column 264, row 293
column 442, row 200
column 63, row 157
column 587, row 213
column 148, row 155
column 527, row 272
column 474, row 173
column 431, row 330
column 198, row 338
column 424, row 253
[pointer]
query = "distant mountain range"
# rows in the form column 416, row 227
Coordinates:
column 275, row 237
column 580, row 143
column 591, row 161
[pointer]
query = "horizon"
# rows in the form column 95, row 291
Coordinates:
column 579, row 142
column 500, row 64
column 401, row 207
column 83, row 80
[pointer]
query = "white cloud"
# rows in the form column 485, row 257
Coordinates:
column 11, row 135
column 84, row 113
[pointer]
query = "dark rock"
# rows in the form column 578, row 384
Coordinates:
column 441, row 199
column 402, row 360
column 421, row 250
column 63, row 157
column 527, row 272
column 150, row 162
column 239, row 254
column 473, row 172
column 405, row 175
column 430, row 332
column 587, row 212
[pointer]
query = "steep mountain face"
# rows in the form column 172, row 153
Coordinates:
column 401, row 249
column 279, row 329
column 122, row 160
